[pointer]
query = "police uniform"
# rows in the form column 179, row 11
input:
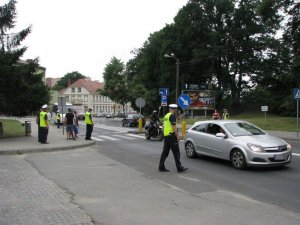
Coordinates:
column 58, row 118
column 89, row 124
column 44, row 123
column 170, row 142
column 225, row 115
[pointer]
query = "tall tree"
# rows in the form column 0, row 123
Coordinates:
column 22, row 90
column 68, row 79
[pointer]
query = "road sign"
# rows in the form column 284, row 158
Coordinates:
column 164, row 100
column 164, row 91
column 140, row 102
column 184, row 101
column 297, row 93
column 264, row 108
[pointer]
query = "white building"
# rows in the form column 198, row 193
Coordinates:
column 84, row 93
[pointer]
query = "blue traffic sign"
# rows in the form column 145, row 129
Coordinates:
column 164, row 100
column 184, row 101
column 164, row 91
column 297, row 93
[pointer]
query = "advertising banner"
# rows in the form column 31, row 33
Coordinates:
column 201, row 99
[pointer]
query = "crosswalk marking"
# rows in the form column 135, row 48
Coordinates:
column 118, row 129
column 135, row 135
column 123, row 136
column 97, row 139
column 109, row 138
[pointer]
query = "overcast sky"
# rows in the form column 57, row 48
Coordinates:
column 83, row 35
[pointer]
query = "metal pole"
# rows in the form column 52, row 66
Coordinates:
column 177, row 79
column 297, row 117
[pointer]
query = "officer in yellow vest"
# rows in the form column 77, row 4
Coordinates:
column 89, row 124
column 58, row 118
column 44, row 124
column 225, row 115
column 171, row 139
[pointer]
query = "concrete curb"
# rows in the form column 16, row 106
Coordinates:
column 41, row 150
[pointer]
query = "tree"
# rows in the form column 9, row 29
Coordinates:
column 68, row 79
column 115, row 82
column 22, row 90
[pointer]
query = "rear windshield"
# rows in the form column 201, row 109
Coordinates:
column 243, row 129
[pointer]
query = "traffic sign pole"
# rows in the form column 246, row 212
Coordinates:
column 297, row 117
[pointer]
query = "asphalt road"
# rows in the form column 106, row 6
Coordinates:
column 278, row 186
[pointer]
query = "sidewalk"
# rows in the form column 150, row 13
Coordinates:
column 29, row 144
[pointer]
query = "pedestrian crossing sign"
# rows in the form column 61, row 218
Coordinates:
column 297, row 93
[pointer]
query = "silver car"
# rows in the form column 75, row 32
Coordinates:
column 240, row 142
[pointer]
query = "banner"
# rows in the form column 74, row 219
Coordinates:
column 201, row 99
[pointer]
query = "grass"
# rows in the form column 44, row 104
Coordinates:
column 271, row 122
column 12, row 128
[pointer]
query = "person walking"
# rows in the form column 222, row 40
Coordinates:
column 89, row 124
column 225, row 115
column 171, row 139
column 44, row 124
column 76, row 124
column 216, row 115
column 58, row 118
column 69, row 122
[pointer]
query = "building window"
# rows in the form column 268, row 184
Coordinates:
column 73, row 90
column 79, row 90
column 85, row 98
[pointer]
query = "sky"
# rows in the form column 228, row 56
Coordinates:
column 84, row 35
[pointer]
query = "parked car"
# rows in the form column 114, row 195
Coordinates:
column 109, row 115
column 132, row 120
column 80, row 116
column 240, row 142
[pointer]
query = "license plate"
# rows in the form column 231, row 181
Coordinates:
column 280, row 157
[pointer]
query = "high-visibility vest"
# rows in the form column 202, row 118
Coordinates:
column 225, row 115
column 87, row 118
column 168, row 129
column 57, row 116
column 43, row 121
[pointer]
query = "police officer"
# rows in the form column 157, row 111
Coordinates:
column 89, row 124
column 171, row 139
column 58, row 118
column 44, row 124
column 225, row 115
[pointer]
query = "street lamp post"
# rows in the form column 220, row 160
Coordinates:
column 177, row 73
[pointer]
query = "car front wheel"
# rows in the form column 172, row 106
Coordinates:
column 190, row 150
column 238, row 159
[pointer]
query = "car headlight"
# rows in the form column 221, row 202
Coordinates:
column 255, row 148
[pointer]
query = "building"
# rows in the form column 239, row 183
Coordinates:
column 84, row 93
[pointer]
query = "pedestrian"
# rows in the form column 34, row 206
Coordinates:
column 225, row 115
column 76, row 125
column 37, row 119
column 171, row 139
column 69, row 122
column 216, row 115
column 89, row 124
column 58, row 118
column 44, row 124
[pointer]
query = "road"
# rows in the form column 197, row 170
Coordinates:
column 279, row 186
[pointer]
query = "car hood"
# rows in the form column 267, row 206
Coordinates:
column 264, row 140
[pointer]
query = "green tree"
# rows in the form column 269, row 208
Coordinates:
column 68, row 79
column 115, row 82
column 22, row 90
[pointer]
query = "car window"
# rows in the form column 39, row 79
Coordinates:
column 243, row 129
column 129, row 116
column 213, row 128
column 200, row 128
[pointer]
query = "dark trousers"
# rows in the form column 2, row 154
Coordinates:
column 170, row 142
column 44, row 134
column 58, row 123
column 89, row 130
column 39, row 134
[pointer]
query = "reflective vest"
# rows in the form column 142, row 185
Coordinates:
column 43, row 121
column 87, row 118
column 168, row 129
column 225, row 115
column 57, row 116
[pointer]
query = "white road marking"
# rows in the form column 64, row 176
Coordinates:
column 97, row 139
column 109, row 138
column 296, row 154
column 123, row 136
column 135, row 135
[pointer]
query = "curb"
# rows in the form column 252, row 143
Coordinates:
column 38, row 150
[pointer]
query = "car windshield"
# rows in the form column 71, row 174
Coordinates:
column 243, row 129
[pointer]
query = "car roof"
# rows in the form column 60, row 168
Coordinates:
column 222, row 122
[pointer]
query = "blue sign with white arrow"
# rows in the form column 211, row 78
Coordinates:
column 164, row 91
column 184, row 101
column 297, row 93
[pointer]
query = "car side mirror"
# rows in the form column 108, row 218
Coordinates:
column 221, row 135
